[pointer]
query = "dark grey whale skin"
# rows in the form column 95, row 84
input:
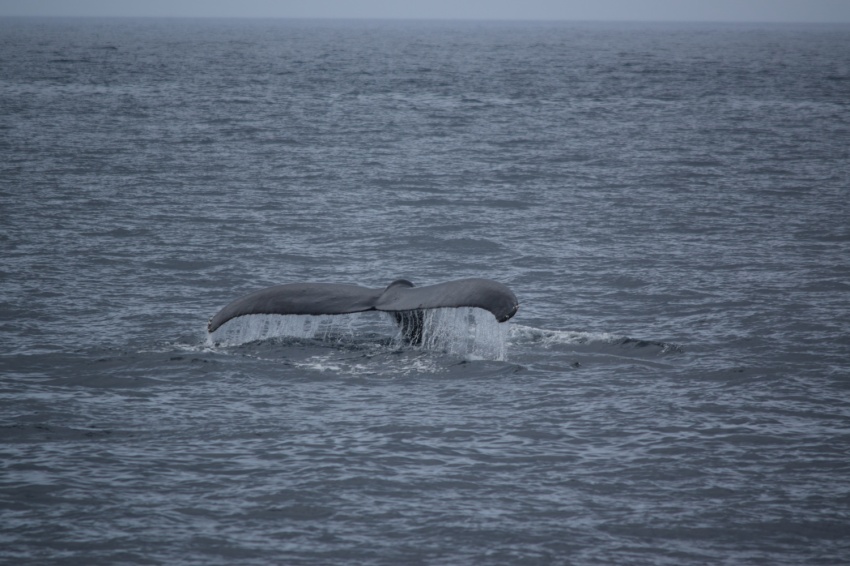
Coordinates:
column 399, row 296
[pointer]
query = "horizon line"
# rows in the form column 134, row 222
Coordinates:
column 424, row 19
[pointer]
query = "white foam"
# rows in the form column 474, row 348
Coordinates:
column 519, row 333
column 390, row 366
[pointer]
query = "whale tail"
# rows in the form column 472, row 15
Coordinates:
column 401, row 298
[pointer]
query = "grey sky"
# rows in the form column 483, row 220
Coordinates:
column 642, row 10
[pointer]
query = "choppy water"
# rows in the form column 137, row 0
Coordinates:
column 668, row 202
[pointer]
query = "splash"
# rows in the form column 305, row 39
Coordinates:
column 468, row 332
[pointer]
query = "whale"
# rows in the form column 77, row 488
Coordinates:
column 402, row 298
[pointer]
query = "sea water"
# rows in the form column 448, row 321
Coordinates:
column 668, row 202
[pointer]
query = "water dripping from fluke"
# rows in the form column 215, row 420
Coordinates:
column 467, row 332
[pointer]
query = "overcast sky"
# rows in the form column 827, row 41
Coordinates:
column 641, row 10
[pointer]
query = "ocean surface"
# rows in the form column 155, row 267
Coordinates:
column 670, row 204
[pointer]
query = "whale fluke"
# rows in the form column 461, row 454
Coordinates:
column 401, row 297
